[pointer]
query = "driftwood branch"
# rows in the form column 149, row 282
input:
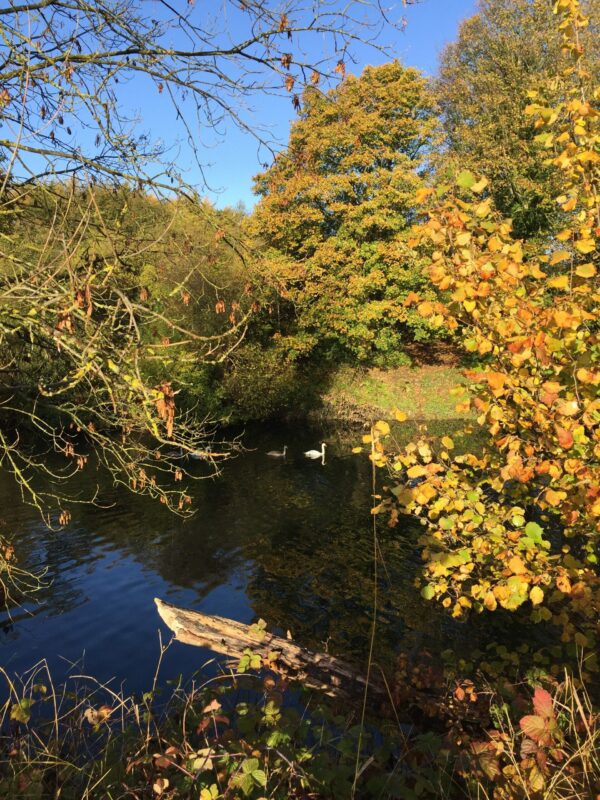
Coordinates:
column 331, row 675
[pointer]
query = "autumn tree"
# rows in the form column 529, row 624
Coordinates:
column 517, row 525
column 334, row 209
column 506, row 50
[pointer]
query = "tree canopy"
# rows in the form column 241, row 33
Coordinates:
column 509, row 48
column 334, row 207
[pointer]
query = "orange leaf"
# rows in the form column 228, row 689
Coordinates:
column 565, row 438
column 542, row 703
column 517, row 566
column 554, row 498
column 563, row 584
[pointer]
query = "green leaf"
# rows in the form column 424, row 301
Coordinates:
column 428, row 592
column 250, row 765
column 260, row 777
column 246, row 783
column 21, row 711
column 534, row 532
column 466, row 179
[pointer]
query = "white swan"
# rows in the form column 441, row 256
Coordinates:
column 316, row 453
column 278, row 453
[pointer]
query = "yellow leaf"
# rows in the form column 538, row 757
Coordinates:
column 536, row 595
column 357, row 449
column 569, row 204
column 585, row 270
column 585, row 245
column 559, row 282
column 366, row 439
column 568, row 408
column 563, row 584
column 479, row 186
column 517, row 566
column 490, row 602
column 554, row 498
column 447, row 443
column 469, row 305
column 586, row 376
column 558, row 256
column 400, row 415
column 483, row 209
column 382, row 427
column 422, row 194
column 424, row 493
column 416, row 472
column 425, row 452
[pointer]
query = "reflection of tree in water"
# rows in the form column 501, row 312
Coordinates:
column 127, row 526
column 321, row 587
column 305, row 530
column 314, row 565
column 300, row 531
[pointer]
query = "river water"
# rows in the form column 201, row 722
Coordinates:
column 290, row 541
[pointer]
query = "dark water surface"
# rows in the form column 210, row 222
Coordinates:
column 289, row 541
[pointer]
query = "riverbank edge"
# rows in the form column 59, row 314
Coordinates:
column 355, row 396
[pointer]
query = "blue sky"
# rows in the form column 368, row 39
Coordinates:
column 232, row 159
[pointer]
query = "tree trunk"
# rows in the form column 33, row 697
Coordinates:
column 316, row 670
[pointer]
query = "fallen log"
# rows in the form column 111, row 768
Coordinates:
column 331, row 675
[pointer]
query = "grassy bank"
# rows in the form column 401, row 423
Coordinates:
column 428, row 392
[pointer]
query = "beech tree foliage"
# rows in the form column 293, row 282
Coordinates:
column 334, row 211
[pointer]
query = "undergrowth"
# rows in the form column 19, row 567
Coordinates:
column 252, row 735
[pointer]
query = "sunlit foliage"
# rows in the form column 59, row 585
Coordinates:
column 517, row 525
column 506, row 49
column 334, row 212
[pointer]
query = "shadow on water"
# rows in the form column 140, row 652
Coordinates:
column 290, row 541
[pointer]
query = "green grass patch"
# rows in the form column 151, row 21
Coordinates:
column 423, row 393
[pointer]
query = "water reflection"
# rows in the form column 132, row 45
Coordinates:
column 287, row 540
